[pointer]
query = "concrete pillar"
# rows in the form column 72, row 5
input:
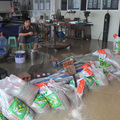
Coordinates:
column 54, row 7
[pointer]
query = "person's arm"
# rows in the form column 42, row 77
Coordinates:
column 22, row 34
column 25, row 34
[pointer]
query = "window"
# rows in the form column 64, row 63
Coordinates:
column 30, row 4
column 63, row 4
column 36, row 4
column 47, row 4
column 42, row 5
column 74, row 4
column 94, row 4
column 83, row 4
column 110, row 4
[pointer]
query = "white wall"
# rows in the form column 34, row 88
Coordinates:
column 96, row 17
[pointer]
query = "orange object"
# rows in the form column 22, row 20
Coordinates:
column 101, row 51
column 115, row 35
column 69, row 19
column 56, row 20
column 24, row 76
column 85, row 66
column 91, row 62
column 69, row 68
column 11, row 10
column 66, row 64
column 89, row 72
column 41, row 84
column 1, row 33
column 54, row 59
column 81, row 86
column 68, row 23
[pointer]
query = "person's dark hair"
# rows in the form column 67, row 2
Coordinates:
column 27, row 18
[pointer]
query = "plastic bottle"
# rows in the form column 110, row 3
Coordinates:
column 3, row 41
column 116, row 44
column 3, row 44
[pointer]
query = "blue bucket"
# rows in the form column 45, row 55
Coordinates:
column 20, row 57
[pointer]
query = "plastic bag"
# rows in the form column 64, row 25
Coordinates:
column 108, row 52
column 40, row 104
column 74, row 98
column 80, row 86
column 107, row 68
column 73, row 94
column 105, row 65
column 14, row 109
column 109, row 75
column 100, row 76
column 54, row 96
column 87, row 74
column 115, row 61
column 2, row 117
column 20, row 89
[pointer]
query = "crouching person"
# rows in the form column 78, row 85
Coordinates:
column 28, row 34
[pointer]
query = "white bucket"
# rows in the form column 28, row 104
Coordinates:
column 20, row 57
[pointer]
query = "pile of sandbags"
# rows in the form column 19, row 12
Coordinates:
column 20, row 100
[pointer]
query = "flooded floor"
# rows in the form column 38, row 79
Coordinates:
column 102, row 103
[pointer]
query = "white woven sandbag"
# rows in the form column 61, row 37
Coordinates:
column 22, row 90
column 14, row 109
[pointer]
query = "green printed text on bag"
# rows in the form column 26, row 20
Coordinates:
column 72, row 83
column 90, row 80
column 2, row 117
column 40, row 101
column 18, row 108
column 104, row 64
column 106, row 73
column 117, row 45
column 53, row 100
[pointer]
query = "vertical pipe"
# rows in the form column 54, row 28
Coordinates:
column 106, row 30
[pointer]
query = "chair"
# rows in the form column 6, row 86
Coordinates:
column 15, row 42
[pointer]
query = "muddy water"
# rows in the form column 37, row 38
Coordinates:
column 63, row 115
column 104, row 102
